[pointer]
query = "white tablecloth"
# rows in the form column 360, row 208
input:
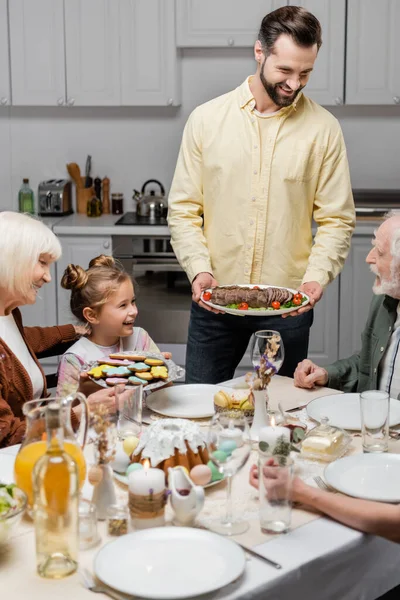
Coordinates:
column 322, row 560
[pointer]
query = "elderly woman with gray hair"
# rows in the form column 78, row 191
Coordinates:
column 27, row 250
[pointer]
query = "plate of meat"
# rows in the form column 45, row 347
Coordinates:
column 254, row 300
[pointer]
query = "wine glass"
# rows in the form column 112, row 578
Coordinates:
column 262, row 343
column 229, row 447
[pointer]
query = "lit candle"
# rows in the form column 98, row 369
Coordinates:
column 147, row 497
column 272, row 434
column 142, row 482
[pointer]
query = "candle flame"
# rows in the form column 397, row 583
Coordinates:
column 273, row 422
column 146, row 464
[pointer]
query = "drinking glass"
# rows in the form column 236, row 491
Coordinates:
column 88, row 535
column 229, row 447
column 275, row 475
column 375, row 410
column 262, row 343
column 129, row 403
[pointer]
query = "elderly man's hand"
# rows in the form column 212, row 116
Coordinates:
column 314, row 291
column 202, row 282
column 276, row 482
column 308, row 375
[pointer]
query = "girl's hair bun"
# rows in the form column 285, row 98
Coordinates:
column 102, row 261
column 74, row 277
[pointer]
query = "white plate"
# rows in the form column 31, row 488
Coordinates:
column 343, row 410
column 191, row 401
column 368, row 476
column 255, row 312
column 167, row 563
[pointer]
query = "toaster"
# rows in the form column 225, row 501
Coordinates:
column 54, row 198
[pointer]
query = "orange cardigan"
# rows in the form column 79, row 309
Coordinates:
column 15, row 383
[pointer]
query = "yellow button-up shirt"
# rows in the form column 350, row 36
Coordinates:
column 244, row 195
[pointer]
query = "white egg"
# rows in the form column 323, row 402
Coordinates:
column 201, row 474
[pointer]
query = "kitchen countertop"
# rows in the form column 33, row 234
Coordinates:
column 78, row 224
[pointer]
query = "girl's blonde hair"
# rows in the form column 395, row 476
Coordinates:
column 91, row 288
column 23, row 239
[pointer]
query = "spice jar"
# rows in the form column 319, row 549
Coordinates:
column 117, row 204
column 117, row 519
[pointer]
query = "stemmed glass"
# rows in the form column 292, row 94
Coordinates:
column 262, row 343
column 229, row 447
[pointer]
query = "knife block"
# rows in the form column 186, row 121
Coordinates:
column 82, row 196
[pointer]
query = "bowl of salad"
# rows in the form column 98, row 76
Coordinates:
column 12, row 506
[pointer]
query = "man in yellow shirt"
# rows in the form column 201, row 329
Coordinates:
column 256, row 167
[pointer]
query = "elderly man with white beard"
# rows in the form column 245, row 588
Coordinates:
column 377, row 364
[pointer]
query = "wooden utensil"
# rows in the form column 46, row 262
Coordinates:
column 75, row 174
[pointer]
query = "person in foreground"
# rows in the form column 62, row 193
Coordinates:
column 27, row 250
column 376, row 518
column 377, row 364
column 255, row 168
column 103, row 298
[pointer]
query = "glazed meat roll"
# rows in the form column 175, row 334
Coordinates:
column 254, row 298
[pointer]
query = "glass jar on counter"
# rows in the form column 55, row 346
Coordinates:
column 117, row 204
column 117, row 519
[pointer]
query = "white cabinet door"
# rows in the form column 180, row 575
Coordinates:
column 149, row 58
column 92, row 52
column 78, row 251
column 323, row 347
column 356, row 294
column 326, row 85
column 37, row 52
column 373, row 52
column 220, row 22
column 5, row 89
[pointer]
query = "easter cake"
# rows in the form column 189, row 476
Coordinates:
column 170, row 443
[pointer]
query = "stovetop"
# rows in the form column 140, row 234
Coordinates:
column 132, row 218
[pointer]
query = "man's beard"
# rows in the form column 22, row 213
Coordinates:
column 388, row 287
column 273, row 92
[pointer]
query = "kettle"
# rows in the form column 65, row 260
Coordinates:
column 152, row 205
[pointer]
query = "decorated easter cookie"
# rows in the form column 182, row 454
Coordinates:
column 96, row 372
column 130, row 357
column 144, row 375
column 115, row 380
column 154, row 362
column 136, row 381
column 159, row 372
column 114, row 362
column 117, row 371
column 139, row 366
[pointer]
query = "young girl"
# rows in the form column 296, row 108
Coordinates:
column 102, row 297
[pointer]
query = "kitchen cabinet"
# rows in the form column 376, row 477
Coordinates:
column 326, row 84
column 373, row 52
column 324, row 336
column 356, row 294
column 5, row 89
column 44, row 314
column 149, row 57
column 37, row 52
column 92, row 52
column 207, row 23
column 78, row 250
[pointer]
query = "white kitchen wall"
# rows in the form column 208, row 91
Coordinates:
column 130, row 145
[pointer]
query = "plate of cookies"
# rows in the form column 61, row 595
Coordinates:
column 150, row 369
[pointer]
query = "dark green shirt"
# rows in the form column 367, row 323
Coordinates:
column 360, row 371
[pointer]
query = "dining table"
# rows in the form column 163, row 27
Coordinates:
column 320, row 559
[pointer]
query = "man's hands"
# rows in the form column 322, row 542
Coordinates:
column 308, row 375
column 202, row 282
column 314, row 290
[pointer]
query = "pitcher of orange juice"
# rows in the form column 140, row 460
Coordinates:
column 34, row 444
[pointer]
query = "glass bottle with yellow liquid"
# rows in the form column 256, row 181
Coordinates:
column 34, row 444
column 55, row 503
